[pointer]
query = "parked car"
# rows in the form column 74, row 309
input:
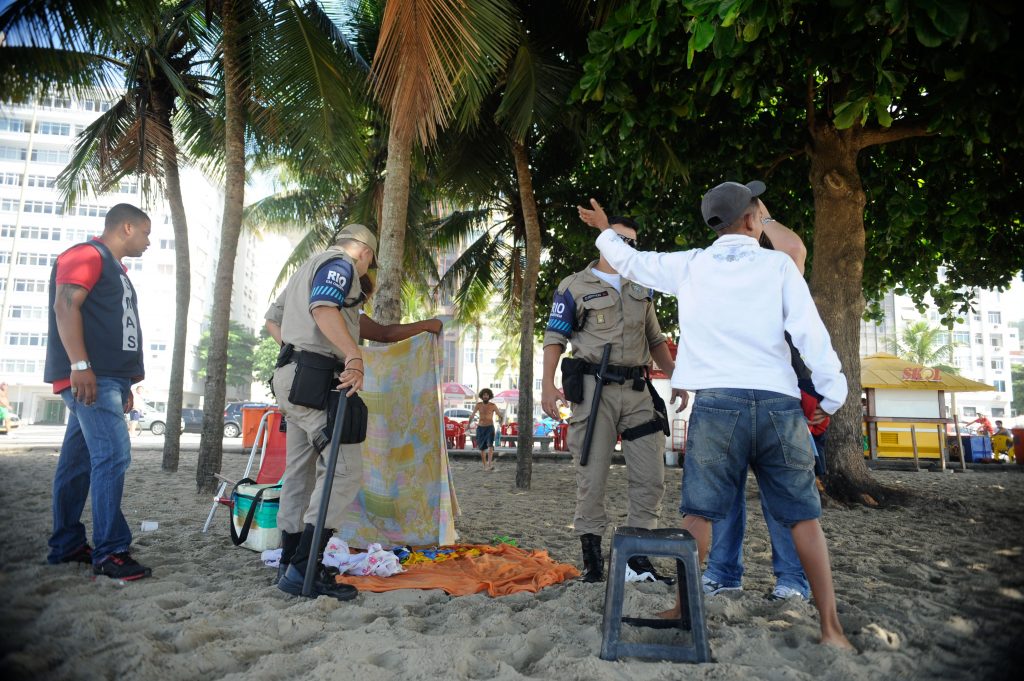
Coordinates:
column 155, row 421
column 233, row 417
column 193, row 420
column 460, row 415
column 10, row 423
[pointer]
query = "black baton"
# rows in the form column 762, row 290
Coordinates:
column 325, row 496
column 595, row 402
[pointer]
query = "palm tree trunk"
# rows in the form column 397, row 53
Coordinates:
column 524, row 450
column 476, row 355
column 182, row 295
column 839, row 238
column 395, row 207
column 211, row 444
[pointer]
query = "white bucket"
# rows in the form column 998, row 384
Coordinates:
column 671, row 458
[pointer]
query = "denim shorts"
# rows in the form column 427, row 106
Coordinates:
column 731, row 429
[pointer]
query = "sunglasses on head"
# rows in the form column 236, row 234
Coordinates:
column 628, row 240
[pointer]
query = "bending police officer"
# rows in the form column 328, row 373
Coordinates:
column 319, row 328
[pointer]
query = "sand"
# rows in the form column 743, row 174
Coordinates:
column 932, row 589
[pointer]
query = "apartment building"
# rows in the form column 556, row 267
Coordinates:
column 35, row 145
column 985, row 343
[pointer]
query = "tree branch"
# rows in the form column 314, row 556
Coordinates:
column 900, row 131
column 771, row 166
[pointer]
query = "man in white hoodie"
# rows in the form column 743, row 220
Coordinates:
column 736, row 302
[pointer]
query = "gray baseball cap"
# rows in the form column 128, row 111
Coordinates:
column 722, row 205
column 362, row 234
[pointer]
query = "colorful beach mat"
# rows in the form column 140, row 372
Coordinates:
column 407, row 496
column 498, row 570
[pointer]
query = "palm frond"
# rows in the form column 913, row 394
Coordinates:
column 364, row 23
column 290, row 211
column 329, row 22
column 474, row 161
column 473, row 304
column 535, row 91
column 430, row 51
column 483, row 263
column 27, row 71
column 76, row 25
column 312, row 242
column 452, row 231
column 311, row 94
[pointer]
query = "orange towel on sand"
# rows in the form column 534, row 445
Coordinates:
column 499, row 570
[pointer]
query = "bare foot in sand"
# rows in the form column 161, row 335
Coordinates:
column 672, row 614
column 837, row 641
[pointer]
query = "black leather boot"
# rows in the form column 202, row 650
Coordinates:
column 323, row 585
column 593, row 563
column 642, row 564
column 289, row 542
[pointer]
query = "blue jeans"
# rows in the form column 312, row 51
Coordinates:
column 95, row 454
column 725, row 560
column 731, row 429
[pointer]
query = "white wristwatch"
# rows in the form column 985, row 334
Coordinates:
column 80, row 366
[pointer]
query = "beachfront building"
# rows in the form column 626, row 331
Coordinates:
column 985, row 342
column 35, row 144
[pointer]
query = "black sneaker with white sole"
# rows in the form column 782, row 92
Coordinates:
column 642, row 564
column 121, row 566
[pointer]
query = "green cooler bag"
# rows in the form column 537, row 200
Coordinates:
column 254, row 515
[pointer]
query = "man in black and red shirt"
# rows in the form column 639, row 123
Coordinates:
column 93, row 355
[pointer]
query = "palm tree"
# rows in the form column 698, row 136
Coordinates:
column 926, row 345
column 157, row 51
column 470, row 314
column 509, row 358
column 431, row 56
column 493, row 163
column 288, row 80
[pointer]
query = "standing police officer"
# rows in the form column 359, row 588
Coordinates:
column 592, row 309
column 319, row 332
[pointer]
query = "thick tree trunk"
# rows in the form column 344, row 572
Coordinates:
column 182, row 295
column 387, row 306
column 839, row 239
column 211, row 444
column 524, row 451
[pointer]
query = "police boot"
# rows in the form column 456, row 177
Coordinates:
column 593, row 563
column 323, row 583
column 642, row 564
column 289, row 543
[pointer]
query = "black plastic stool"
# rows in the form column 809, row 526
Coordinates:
column 671, row 543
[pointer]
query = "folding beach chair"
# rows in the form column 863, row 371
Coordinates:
column 271, row 448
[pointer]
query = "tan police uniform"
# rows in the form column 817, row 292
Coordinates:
column 627, row 321
column 305, row 464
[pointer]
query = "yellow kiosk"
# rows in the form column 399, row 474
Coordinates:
column 905, row 411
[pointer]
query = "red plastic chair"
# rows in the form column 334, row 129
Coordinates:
column 561, row 437
column 454, row 434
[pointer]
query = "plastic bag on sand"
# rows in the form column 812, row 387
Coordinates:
column 271, row 557
column 375, row 561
